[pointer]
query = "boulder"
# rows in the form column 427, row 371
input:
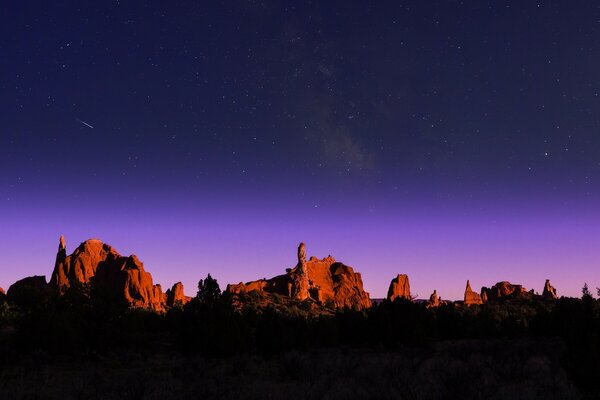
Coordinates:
column 124, row 277
column 471, row 298
column 399, row 288
column 175, row 295
column 323, row 281
column 549, row 291
column 504, row 290
column 28, row 291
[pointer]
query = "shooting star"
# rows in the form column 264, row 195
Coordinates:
column 85, row 123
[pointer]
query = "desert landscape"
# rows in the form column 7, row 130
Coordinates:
column 282, row 199
column 101, row 328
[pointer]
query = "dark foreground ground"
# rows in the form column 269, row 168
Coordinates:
column 475, row 369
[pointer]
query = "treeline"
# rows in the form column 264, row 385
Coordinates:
column 86, row 323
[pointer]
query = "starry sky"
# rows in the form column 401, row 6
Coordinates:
column 447, row 140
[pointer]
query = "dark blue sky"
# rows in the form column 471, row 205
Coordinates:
column 475, row 111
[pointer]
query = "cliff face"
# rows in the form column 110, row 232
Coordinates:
column 399, row 288
column 125, row 277
column 175, row 296
column 325, row 281
column 471, row 298
column 81, row 265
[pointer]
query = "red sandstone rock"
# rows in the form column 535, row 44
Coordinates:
column 549, row 291
column 81, row 265
column 434, row 300
column 175, row 295
column 125, row 276
column 504, row 290
column 324, row 281
column 399, row 288
column 471, row 297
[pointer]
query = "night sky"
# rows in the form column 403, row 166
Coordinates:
column 446, row 140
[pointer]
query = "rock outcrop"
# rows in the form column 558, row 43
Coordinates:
column 175, row 295
column 434, row 300
column 399, row 288
column 471, row 298
column 549, row 291
column 124, row 277
column 28, row 291
column 2, row 295
column 504, row 290
column 324, row 281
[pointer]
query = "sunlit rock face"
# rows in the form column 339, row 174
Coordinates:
column 549, row 291
column 325, row 281
column 399, row 288
column 124, row 277
column 471, row 298
column 175, row 295
column 505, row 290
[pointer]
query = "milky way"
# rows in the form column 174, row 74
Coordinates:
column 445, row 140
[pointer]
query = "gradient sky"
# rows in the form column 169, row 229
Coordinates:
column 446, row 140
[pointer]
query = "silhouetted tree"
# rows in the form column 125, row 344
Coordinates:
column 585, row 292
column 209, row 291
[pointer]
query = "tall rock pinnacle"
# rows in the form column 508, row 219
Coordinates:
column 471, row 297
column 62, row 245
column 300, row 284
column 549, row 291
column 301, row 253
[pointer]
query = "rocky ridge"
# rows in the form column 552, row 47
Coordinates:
column 504, row 290
column 324, row 281
column 122, row 277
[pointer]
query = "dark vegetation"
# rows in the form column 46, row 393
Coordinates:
column 522, row 348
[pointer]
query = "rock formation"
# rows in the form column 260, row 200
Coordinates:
column 28, row 291
column 81, row 265
column 504, row 290
column 471, row 297
column 123, row 276
column 175, row 296
column 399, row 288
column 324, row 281
column 434, row 300
column 301, row 253
column 2, row 295
column 299, row 287
column 549, row 291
